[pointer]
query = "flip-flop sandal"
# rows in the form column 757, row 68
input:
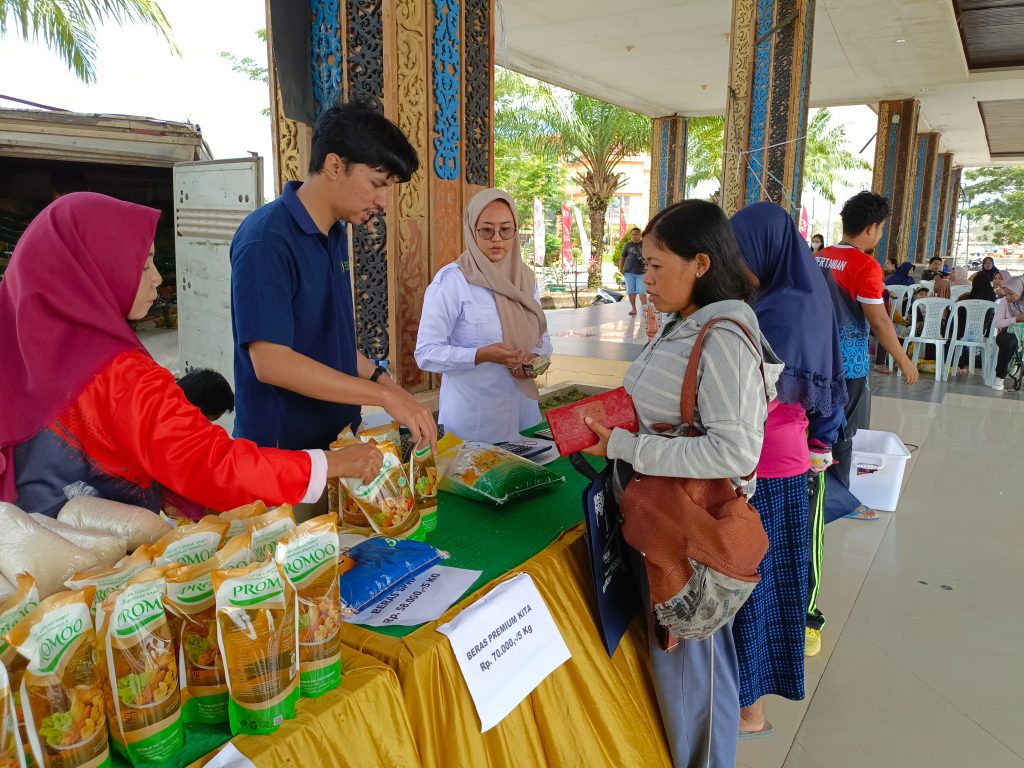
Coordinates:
column 860, row 512
column 766, row 730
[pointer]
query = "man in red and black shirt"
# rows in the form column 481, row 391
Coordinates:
column 859, row 309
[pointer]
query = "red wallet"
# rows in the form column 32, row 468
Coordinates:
column 610, row 409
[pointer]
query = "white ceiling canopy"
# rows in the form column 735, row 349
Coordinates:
column 663, row 57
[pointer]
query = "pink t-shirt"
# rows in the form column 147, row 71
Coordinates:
column 784, row 452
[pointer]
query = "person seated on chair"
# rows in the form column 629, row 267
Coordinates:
column 901, row 324
column 934, row 269
column 1009, row 311
column 1000, row 277
column 981, row 290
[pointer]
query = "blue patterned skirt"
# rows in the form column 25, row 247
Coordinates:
column 769, row 628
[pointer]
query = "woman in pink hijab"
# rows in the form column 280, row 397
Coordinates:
column 86, row 407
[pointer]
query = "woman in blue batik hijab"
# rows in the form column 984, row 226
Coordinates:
column 794, row 309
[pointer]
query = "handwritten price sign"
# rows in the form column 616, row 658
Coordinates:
column 506, row 644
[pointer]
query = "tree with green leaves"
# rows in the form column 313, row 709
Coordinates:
column 826, row 157
column 520, row 170
column 252, row 69
column 68, row 27
column 998, row 193
column 579, row 130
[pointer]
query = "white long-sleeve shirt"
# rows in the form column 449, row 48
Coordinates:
column 478, row 402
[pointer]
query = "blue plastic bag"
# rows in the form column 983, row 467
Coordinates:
column 381, row 565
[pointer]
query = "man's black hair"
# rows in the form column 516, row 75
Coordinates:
column 208, row 391
column 935, row 258
column 862, row 210
column 358, row 134
column 635, row 229
column 697, row 226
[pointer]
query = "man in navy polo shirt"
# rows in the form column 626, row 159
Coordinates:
column 299, row 379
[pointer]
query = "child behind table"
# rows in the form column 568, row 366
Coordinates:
column 210, row 392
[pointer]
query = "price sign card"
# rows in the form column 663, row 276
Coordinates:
column 421, row 599
column 506, row 644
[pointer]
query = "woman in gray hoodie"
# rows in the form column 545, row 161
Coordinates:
column 695, row 271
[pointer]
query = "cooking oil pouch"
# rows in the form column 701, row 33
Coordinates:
column 106, row 580
column 385, row 433
column 258, row 637
column 268, row 529
column 239, row 517
column 190, row 598
column 381, row 565
column 309, row 556
column 339, row 500
column 12, row 755
column 191, row 544
column 486, row 473
column 137, row 659
column 11, row 613
column 424, row 484
column 387, row 501
column 61, row 690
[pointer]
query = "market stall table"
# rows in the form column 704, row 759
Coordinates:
column 592, row 711
column 361, row 724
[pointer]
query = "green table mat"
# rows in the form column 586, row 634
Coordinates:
column 479, row 537
column 493, row 539
column 200, row 740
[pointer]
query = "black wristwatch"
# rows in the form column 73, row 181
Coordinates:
column 377, row 373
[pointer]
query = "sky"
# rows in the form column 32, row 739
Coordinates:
column 137, row 74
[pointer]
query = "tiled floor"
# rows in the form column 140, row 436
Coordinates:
column 922, row 664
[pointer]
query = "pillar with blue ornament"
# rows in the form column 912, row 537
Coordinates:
column 767, row 103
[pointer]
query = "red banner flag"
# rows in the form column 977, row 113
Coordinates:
column 566, row 241
column 805, row 224
column 622, row 223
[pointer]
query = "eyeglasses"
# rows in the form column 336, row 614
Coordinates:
column 487, row 233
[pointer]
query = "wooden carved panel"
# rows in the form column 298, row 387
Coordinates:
column 412, row 263
column 741, row 72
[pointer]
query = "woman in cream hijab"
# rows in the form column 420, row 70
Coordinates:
column 481, row 322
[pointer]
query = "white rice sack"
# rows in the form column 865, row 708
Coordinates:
column 7, row 590
column 136, row 525
column 28, row 546
column 107, row 548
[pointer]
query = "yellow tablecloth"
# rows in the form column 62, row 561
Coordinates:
column 361, row 724
column 592, row 711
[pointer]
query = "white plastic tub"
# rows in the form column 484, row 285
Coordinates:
column 879, row 459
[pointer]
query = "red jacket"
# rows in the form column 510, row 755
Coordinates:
column 132, row 427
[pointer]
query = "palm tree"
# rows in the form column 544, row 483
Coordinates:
column 579, row 130
column 68, row 27
column 826, row 155
column 705, row 137
column 825, row 159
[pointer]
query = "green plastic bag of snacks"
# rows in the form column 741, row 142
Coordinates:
column 486, row 473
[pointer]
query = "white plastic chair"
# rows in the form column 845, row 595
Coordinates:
column 958, row 290
column 990, row 352
column 974, row 333
column 931, row 311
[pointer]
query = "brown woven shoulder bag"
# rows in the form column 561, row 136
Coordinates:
column 700, row 539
